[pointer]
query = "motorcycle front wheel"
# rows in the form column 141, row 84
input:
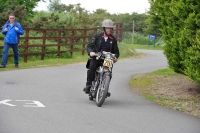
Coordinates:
column 103, row 90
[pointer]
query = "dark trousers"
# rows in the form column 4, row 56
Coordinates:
column 94, row 64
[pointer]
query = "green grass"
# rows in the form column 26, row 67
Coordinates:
column 141, row 81
column 150, row 97
column 167, row 71
column 150, row 47
column 162, row 87
column 47, row 62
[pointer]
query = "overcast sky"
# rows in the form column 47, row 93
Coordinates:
column 112, row 6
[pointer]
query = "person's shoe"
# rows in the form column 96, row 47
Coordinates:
column 2, row 66
column 108, row 94
column 87, row 89
column 16, row 66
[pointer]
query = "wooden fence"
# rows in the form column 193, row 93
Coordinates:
column 38, row 41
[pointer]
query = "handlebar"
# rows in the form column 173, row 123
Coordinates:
column 99, row 54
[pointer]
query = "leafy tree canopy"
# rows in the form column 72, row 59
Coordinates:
column 23, row 10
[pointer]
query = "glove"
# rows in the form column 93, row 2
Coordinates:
column 115, row 60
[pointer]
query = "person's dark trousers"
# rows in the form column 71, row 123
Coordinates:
column 5, row 53
column 91, row 72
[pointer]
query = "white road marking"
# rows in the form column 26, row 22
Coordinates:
column 5, row 102
column 36, row 103
column 31, row 103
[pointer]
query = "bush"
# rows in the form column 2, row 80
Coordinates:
column 180, row 23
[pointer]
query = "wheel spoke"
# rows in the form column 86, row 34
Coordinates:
column 101, row 89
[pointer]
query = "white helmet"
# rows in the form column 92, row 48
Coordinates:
column 108, row 23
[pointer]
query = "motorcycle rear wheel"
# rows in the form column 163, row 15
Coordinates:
column 102, row 90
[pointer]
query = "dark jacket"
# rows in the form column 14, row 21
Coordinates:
column 12, row 35
column 95, row 44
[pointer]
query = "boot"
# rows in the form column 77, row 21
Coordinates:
column 16, row 66
column 87, row 88
column 108, row 94
column 2, row 66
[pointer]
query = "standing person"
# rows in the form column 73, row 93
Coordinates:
column 12, row 30
column 103, row 41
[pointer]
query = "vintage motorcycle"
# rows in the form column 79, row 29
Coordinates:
column 103, row 75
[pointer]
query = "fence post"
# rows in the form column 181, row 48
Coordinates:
column 26, row 46
column 83, row 48
column 95, row 31
column 59, row 43
column 43, row 44
column 133, row 32
column 118, row 31
column 72, row 43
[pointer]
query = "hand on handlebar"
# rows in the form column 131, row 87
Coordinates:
column 92, row 54
column 115, row 60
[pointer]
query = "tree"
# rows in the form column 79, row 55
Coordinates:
column 54, row 5
column 23, row 10
column 180, row 25
column 152, row 22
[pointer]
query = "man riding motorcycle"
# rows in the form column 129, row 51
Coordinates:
column 103, row 41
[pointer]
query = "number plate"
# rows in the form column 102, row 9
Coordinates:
column 108, row 63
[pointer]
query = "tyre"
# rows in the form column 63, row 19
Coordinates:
column 103, row 90
column 92, row 93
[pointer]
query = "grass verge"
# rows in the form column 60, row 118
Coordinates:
column 169, row 89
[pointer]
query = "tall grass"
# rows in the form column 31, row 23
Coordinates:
column 140, row 39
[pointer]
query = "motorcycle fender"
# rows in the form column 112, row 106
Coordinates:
column 107, row 73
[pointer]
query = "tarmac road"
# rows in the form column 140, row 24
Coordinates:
column 51, row 100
